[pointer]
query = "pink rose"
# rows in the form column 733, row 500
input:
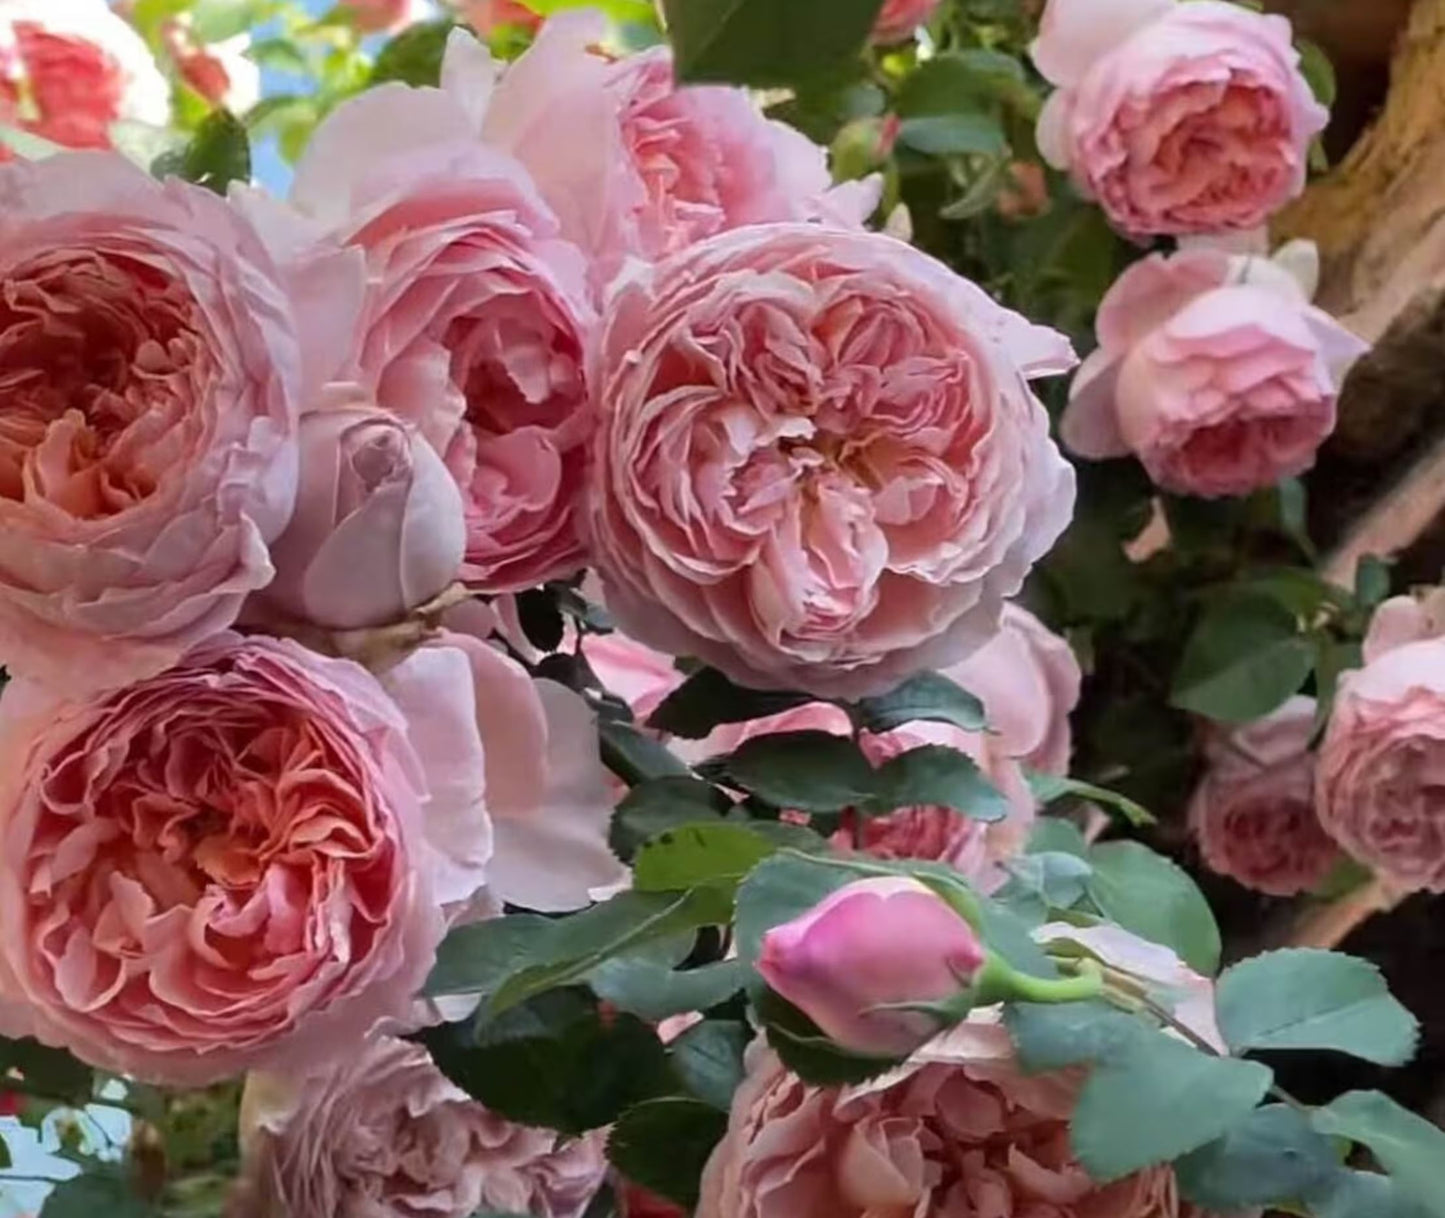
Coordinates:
column 1177, row 117
column 1216, row 372
column 960, row 1132
column 1405, row 619
column 632, row 163
column 156, row 355
column 818, row 464
column 1376, row 790
column 1029, row 682
column 220, row 72
column 898, row 19
column 71, row 68
column 870, row 944
column 638, row 675
column 486, row 15
column 241, row 862
column 378, row 16
column 476, row 321
column 385, row 1132
column 1253, row 812
column 378, row 529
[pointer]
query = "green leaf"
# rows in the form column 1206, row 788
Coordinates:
column 766, row 42
column 1372, row 580
column 26, row 145
column 53, row 1072
column 1361, row 1194
column 1300, row 998
column 1318, row 71
column 659, row 804
column 695, row 854
column 1155, row 898
column 1156, row 1098
column 513, row 958
column 414, row 56
column 664, row 1144
column 954, row 135
column 1056, row 878
column 278, row 55
column 628, row 922
column 937, row 774
column 708, row 699
column 103, row 1190
column 1050, row 787
column 929, row 697
column 957, row 81
column 1409, row 1147
column 1271, row 1156
column 809, row 771
column 219, row 153
column 1245, row 658
column 634, row 757
column 1051, row 1037
column 554, row 1062
column 1054, row 834
column 218, row 20
column 803, row 1048
column 652, row 991
column 708, row 1058
column 7, row 1161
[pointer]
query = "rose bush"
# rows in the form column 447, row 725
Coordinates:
column 386, row 1133
column 157, row 358
column 847, row 529
column 1176, row 117
column 1215, row 371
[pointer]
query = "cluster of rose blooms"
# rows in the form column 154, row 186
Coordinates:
column 271, row 472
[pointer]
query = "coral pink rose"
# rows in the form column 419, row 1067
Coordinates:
column 1177, row 117
column 819, row 465
column 870, row 944
column 1029, row 681
column 960, row 1132
column 486, row 15
column 156, row 356
column 385, row 1132
column 636, row 1202
column 1215, row 371
column 376, row 16
column 634, row 164
column 1376, row 787
column 898, row 19
column 220, row 72
column 1254, row 811
column 71, row 68
column 476, row 320
column 378, row 528
column 241, row 862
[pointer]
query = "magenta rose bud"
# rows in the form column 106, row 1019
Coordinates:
column 1216, row 372
column 1177, row 117
column 898, row 20
column 870, row 945
column 379, row 527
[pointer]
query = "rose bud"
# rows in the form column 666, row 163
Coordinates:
column 853, row 961
column 379, row 527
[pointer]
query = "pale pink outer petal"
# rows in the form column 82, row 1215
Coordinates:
column 1398, row 621
column 1153, row 290
column 469, row 74
column 433, row 688
column 1075, row 34
column 555, row 857
column 1089, row 426
column 1052, row 131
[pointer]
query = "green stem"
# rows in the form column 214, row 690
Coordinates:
column 999, row 981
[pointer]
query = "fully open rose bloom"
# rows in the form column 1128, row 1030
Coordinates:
column 241, row 861
column 71, row 68
column 1178, row 117
column 476, row 320
column 633, row 163
column 1377, row 790
column 152, row 352
column 1215, row 371
column 1254, row 811
column 385, row 1133
column 958, row 1132
column 819, row 464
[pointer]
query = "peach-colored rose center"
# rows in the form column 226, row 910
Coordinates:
column 98, row 357
column 200, row 854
